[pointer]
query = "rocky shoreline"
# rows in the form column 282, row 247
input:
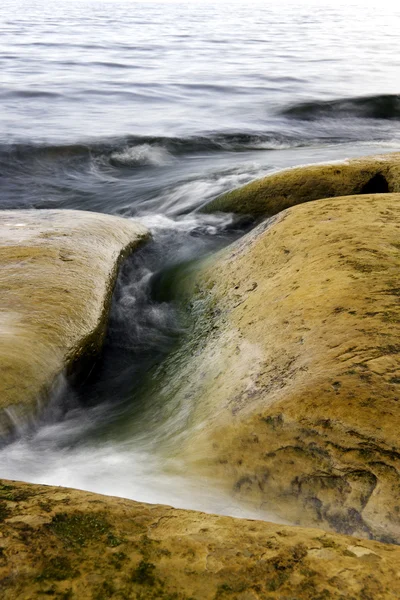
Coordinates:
column 289, row 381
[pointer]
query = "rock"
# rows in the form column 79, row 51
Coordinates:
column 71, row 544
column 276, row 192
column 58, row 268
column 289, row 382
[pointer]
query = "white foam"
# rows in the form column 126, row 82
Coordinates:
column 144, row 154
column 209, row 224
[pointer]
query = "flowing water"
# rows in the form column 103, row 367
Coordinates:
column 148, row 111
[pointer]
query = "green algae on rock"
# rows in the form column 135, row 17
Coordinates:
column 167, row 554
column 58, row 268
column 278, row 191
column 289, row 381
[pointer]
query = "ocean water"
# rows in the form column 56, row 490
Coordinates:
column 149, row 110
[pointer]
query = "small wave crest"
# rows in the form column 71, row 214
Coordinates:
column 386, row 106
column 143, row 154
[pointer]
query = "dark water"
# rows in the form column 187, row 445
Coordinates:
column 150, row 110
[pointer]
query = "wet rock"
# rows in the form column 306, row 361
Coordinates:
column 276, row 192
column 57, row 273
column 79, row 546
column 291, row 390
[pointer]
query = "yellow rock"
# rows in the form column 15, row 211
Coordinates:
column 57, row 271
column 85, row 546
column 289, row 383
column 268, row 196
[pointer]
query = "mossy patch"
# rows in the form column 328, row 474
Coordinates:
column 327, row 542
column 58, row 568
column 117, row 560
column 277, row 581
column 144, row 573
column 4, row 511
column 13, row 494
column 223, row 588
column 46, row 506
column 113, row 540
column 80, row 529
column 105, row 591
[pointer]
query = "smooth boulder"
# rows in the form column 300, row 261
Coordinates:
column 278, row 191
column 288, row 384
column 58, row 268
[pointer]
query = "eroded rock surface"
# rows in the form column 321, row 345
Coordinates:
column 276, row 192
column 57, row 270
column 68, row 544
column 292, row 371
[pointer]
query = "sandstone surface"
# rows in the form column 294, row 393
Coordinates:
column 57, row 270
column 278, row 191
column 73, row 545
column 289, row 382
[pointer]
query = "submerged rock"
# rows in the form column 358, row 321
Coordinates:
column 71, row 544
column 58, row 268
column 276, row 192
column 289, row 382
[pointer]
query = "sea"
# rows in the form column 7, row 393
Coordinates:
column 149, row 110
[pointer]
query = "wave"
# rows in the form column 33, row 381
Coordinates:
column 386, row 106
column 135, row 151
column 149, row 150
